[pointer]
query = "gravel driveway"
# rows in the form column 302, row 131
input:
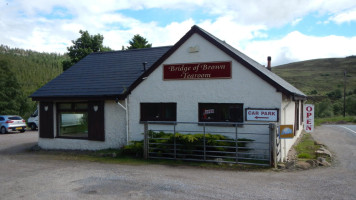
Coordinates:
column 25, row 175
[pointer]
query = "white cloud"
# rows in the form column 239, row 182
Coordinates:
column 296, row 21
column 25, row 24
column 296, row 47
column 347, row 16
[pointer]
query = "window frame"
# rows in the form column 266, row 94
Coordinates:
column 219, row 109
column 73, row 110
column 163, row 106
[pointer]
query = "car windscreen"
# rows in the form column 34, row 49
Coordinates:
column 15, row 118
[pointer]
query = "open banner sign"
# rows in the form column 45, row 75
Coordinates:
column 309, row 118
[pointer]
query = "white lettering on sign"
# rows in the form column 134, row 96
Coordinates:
column 309, row 118
column 270, row 115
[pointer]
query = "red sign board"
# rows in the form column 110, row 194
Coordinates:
column 191, row 71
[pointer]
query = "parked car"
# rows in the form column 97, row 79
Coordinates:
column 32, row 121
column 10, row 123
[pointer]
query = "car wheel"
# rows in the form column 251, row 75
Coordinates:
column 3, row 130
column 33, row 127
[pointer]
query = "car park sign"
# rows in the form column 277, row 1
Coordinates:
column 268, row 115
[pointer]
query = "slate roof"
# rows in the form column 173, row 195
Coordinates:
column 115, row 74
column 103, row 74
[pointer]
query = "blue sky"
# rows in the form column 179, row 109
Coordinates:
column 289, row 31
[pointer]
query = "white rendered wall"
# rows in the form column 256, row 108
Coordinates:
column 288, row 117
column 115, row 133
column 244, row 87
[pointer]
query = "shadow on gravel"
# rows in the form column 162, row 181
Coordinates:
column 17, row 149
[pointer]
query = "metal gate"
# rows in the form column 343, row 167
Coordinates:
column 239, row 143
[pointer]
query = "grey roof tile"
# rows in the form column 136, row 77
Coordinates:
column 104, row 73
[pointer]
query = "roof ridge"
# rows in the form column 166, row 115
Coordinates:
column 128, row 50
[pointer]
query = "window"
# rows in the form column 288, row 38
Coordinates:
column 158, row 112
column 220, row 112
column 73, row 120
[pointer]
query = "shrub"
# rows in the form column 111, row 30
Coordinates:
column 161, row 143
column 134, row 149
column 324, row 109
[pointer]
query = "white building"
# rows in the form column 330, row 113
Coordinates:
column 199, row 79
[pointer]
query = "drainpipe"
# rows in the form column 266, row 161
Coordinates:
column 285, row 122
column 127, row 117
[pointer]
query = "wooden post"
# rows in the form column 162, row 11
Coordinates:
column 273, row 147
column 145, row 141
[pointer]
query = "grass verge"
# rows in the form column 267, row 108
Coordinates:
column 306, row 147
column 338, row 119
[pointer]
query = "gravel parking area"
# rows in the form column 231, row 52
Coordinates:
column 26, row 175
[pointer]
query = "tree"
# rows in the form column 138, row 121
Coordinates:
column 10, row 95
column 138, row 42
column 83, row 46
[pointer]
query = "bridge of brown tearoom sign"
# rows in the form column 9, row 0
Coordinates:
column 189, row 71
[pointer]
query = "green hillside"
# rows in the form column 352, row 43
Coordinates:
column 323, row 81
column 30, row 70
column 320, row 76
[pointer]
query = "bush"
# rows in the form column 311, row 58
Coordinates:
column 338, row 108
column 351, row 105
column 161, row 143
column 134, row 149
column 336, row 94
column 324, row 109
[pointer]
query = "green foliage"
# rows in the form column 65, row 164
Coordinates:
column 84, row 46
column 336, row 94
column 351, row 105
column 324, row 109
column 138, row 42
column 10, row 96
column 337, row 119
column 338, row 108
column 161, row 143
column 321, row 75
column 314, row 92
column 134, row 149
column 31, row 70
column 306, row 147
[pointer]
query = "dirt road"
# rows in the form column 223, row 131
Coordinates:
column 25, row 175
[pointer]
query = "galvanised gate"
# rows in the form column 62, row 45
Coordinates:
column 239, row 143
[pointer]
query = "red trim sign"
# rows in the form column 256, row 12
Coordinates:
column 309, row 118
column 270, row 115
column 193, row 71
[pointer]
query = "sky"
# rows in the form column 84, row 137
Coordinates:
column 287, row 30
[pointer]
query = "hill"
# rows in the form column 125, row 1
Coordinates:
column 31, row 70
column 320, row 76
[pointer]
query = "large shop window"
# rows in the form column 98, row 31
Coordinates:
column 158, row 112
column 220, row 112
column 73, row 120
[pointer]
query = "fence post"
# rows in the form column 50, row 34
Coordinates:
column 236, row 145
column 272, row 133
column 175, row 142
column 145, row 141
column 204, row 144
